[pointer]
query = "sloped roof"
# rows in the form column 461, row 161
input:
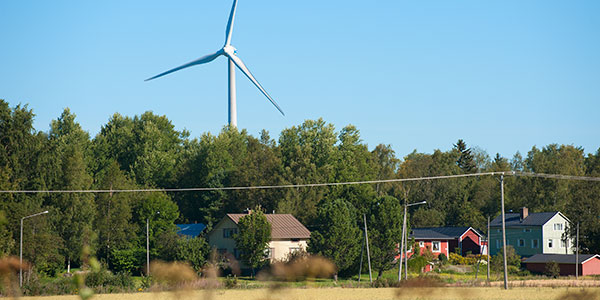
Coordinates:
column 533, row 219
column 559, row 258
column 445, row 233
column 192, row 230
column 283, row 226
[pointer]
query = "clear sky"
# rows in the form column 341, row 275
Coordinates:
column 502, row 75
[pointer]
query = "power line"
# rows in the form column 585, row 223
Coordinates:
column 287, row 186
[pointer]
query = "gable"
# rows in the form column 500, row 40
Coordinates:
column 283, row 226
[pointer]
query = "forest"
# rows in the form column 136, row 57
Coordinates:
column 146, row 151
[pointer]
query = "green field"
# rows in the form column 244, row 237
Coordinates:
column 360, row 293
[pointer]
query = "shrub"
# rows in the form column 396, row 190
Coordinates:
column 443, row 258
column 417, row 264
column 552, row 269
column 193, row 251
column 128, row 260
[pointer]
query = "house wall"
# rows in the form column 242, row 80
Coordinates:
column 513, row 235
column 216, row 239
column 556, row 235
column 429, row 244
column 281, row 248
column 591, row 267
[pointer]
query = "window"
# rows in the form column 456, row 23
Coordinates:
column 421, row 244
column 295, row 249
column 549, row 243
column 563, row 244
column 534, row 243
column 498, row 230
column 521, row 243
column 269, row 252
column 527, row 230
column 558, row 226
column 435, row 246
column 229, row 232
column 498, row 244
column 236, row 253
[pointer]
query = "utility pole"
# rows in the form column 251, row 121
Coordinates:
column 405, row 241
column 402, row 253
column 488, row 250
column 21, row 247
column 362, row 250
column 577, row 254
column 503, row 232
column 368, row 254
column 147, row 246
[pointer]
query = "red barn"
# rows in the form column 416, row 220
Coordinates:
column 589, row 264
column 447, row 239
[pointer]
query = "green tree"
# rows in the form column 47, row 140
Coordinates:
column 253, row 238
column 465, row 161
column 385, row 229
column 193, row 251
column 338, row 230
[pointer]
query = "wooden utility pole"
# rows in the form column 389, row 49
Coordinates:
column 368, row 254
column 405, row 240
column 488, row 250
column 362, row 250
column 401, row 250
column 503, row 232
column 577, row 254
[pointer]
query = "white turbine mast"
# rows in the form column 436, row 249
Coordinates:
column 233, row 60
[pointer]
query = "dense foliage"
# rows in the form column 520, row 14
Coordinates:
column 148, row 152
column 253, row 237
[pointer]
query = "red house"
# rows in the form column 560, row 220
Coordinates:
column 447, row 239
column 589, row 264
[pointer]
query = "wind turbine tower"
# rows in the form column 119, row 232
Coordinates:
column 233, row 60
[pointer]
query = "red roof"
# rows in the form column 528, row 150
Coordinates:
column 283, row 226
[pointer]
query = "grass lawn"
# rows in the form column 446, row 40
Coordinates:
column 485, row 293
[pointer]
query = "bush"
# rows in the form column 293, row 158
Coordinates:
column 128, row 260
column 443, row 258
column 58, row 286
column 194, row 251
column 416, row 264
column 552, row 269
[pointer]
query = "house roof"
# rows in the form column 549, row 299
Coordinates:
column 283, row 226
column 192, row 230
column 445, row 233
column 560, row 258
column 533, row 219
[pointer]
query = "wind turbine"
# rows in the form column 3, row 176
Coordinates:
column 230, row 52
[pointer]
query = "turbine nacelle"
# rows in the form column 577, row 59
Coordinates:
column 229, row 50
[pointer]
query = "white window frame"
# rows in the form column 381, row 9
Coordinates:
column 433, row 246
column 521, row 243
column 563, row 243
column 558, row 226
column 526, row 229
column 550, row 243
column 421, row 244
column 535, row 243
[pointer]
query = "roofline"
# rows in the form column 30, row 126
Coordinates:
column 595, row 255
column 218, row 223
column 476, row 232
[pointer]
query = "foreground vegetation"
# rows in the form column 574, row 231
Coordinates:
column 484, row 293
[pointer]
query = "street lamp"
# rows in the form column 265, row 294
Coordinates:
column 404, row 243
column 21, row 247
column 148, row 244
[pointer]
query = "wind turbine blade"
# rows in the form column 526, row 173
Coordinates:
column 240, row 64
column 229, row 31
column 199, row 61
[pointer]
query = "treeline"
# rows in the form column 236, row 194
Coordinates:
column 147, row 152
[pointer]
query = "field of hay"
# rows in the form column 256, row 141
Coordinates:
column 486, row 293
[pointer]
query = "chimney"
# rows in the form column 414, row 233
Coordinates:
column 524, row 213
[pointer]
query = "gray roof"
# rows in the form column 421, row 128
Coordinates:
column 283, row 226
column 442, row 233
column 533, row 219
column 559, row 258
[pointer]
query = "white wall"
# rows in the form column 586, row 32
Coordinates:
column 548, row 232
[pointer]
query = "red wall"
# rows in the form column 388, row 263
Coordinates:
column 591, row 267
column 428, row 244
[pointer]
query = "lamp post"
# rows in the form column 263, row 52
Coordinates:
column 404, row 243
column 148, row 244
column 21, row 247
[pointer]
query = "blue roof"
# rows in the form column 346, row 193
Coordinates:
column 191, row 230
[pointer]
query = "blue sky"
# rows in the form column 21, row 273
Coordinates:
column 502, row 75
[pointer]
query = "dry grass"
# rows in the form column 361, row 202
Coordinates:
column 365, row 293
